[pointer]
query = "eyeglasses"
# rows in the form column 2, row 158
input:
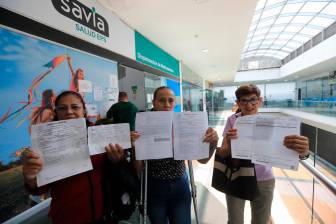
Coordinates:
column 252, row 101
column 74, row 107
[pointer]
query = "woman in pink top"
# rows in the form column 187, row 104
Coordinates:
column 249, row 101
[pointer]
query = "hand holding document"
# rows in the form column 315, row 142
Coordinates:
column 102, row 135
column 189, row 129
column 155, row 129
column 241, row 147
column 63, row 148
column 260, row 138
column 156, row 141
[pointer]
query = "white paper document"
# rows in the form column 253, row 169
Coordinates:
column 241, row 147
column 155, row 129
column 189, row 130
column 100, row 136
column 85, row 86
column 63, row 149
column 262, row 140
column 98, row 93
column 91, row 110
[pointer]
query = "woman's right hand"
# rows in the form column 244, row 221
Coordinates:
column 115, row 153
column 231, row 134
column 134, row 136
column 225, row 149
column 32, row 165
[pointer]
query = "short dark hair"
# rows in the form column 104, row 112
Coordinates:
column 122, row 95
column 247, row 89
column 47, row 96
column 104, row 121
column 68, row 93
column 160, row 88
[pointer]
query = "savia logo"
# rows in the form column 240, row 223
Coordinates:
column 82, row 14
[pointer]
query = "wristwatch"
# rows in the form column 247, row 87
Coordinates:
column 304, row 156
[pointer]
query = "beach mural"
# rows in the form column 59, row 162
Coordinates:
column 32, row 73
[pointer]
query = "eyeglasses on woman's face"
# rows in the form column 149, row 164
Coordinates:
column 253, row 101
column 69, row 107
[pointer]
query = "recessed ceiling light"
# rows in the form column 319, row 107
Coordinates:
column 205, row 50
column 201, row 1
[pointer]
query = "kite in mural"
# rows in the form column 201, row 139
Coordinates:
column 32, row 92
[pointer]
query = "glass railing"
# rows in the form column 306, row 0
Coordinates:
column 307, row 195
column 325, row 107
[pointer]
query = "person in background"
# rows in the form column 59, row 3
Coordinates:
column 169, row 197
column 248, row 100
column 123, row 111
column 79, row 198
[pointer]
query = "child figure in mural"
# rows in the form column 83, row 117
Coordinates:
column 45, row 112
column 42, row 114
column 75, row 77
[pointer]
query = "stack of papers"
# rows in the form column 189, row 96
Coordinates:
column 260, row 139
column 64, row 149
column 165, row 134
column 102, row 135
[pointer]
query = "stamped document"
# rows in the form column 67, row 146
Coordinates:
column 63, row 148
column 268, row 148
column 260, row 139
column 100, row 136
column 241, row 147
column 155, row 129
column 189, row 130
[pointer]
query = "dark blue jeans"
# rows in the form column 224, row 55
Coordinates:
column 169, row 200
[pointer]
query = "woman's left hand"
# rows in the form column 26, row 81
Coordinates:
column 134, row 136
column 297, row 143
column 211, row 136
column 115, row 153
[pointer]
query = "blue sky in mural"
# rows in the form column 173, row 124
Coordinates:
column 21, row 60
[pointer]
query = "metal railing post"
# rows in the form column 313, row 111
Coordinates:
column 193, row 189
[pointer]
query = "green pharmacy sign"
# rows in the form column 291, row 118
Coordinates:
column 150, row 54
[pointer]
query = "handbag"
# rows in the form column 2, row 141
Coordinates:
column 121, row 189
column 235, row 177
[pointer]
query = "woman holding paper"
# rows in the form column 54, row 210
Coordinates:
column 79, row 198
column 169, row 198
column 258, row 184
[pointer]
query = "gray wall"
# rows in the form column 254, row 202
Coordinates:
column 128, row 77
